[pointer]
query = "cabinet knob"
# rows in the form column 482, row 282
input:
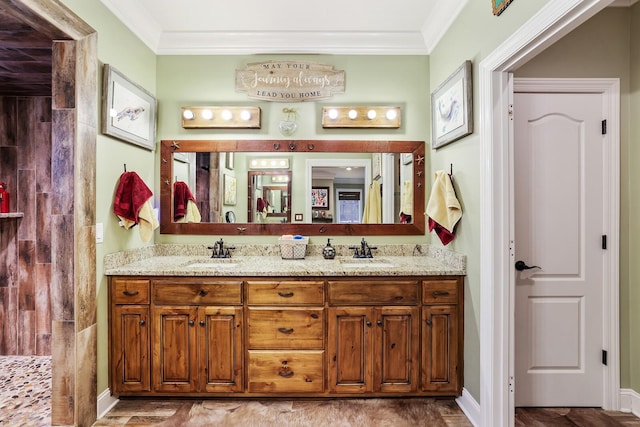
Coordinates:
column 285, row 294
column 428, row 322
column 202, row 323
column 368, row 323
column 142, row 322
column 203, row 293
column 191, row 322
column 379, row 323
column 440, row 293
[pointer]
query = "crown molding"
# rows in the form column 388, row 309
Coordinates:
column 418, row 42
column 623, row 3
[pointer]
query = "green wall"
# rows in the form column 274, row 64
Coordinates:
column 474, row 34
column 120, row 48
column 210, row 80
column 603, row 47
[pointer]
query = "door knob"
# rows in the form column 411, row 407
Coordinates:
column 520, row 266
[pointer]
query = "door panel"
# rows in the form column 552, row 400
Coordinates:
column 559, row 197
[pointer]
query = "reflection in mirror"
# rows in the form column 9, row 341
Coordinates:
column 269, row 196
column 371, row 187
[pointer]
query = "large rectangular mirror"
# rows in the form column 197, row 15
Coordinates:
column 309, row 187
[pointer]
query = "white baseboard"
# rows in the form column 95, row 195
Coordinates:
column 105, row 403
column 470, row 407
column 630, row 401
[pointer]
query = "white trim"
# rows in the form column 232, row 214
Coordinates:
column 630, row 401
column 470, row 407
column 106, row 402
column 610, row 91
column 553, row 21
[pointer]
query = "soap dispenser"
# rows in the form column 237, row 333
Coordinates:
column 329, row 252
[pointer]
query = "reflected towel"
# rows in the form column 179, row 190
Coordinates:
column 192, row 213
column 181, row 195
column 443, row 209
column 406, row 198
column 373, row 206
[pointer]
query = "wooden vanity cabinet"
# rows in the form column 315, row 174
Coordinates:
column 379, row 336
column 285, row 338
column 129, row 338
column 442, row 336
column 373, row 339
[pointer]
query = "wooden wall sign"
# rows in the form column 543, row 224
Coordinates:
column 289, row 81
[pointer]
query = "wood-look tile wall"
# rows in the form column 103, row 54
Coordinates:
column 25, row 243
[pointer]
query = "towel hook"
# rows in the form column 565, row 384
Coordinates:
column 451, row 166
column 125, row 167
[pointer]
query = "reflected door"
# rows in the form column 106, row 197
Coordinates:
column 349, row 206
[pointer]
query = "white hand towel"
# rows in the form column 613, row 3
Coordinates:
column 444, row 207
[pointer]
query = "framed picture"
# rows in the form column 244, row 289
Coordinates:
column 320, row 198
column 229, row 190
column 229, row 160
column 451, row 107
column 499, row 6
column 128, row 110
column 407, row 158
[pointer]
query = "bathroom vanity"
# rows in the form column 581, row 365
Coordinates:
column 260, row 326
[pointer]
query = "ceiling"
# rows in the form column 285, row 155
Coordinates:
column 202, row 27
column 401, row 27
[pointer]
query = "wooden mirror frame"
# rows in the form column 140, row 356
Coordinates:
column 168, row 147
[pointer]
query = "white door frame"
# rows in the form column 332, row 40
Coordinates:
column 552, row 22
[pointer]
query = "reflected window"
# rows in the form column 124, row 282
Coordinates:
column 349, row 206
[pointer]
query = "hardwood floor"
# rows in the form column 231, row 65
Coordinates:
column 573, row 417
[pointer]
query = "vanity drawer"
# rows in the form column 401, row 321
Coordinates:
column 358, row 292
column 199, row 292
column 288, row 328
column 285, row 292
column 440, row 291
column 129, row 291
column 286, row 372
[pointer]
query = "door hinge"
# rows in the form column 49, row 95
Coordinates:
column 604, row 241
column 604, row 127
column 604, row 357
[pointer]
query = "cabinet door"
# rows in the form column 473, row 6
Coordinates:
column 175, row 355
column 130, row 349
column 396, row 360
column 350, row 349
column 220, row 342
column 440, row 357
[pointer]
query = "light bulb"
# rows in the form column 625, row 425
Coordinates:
column 207, row 114
column 353, row 114
column 188, row 114
column 391, row 114
column 226, row 115
column 333, row 114
column 371, row 114
column 245, row 115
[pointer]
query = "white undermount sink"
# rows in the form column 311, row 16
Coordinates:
column 365, row 263
column 212, row 263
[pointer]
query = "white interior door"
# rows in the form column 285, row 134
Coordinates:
column 559, row 222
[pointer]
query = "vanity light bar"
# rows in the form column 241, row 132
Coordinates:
column 361, row 117
column 269, row 163
column 204, row 117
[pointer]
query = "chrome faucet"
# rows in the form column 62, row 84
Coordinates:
column 363, row 251
column 219, row 251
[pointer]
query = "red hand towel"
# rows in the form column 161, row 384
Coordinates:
column 181, row 195
column 131, row 194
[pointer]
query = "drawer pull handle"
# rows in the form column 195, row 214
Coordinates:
column 285, row 374
column 399, row 297
column 130, row 293
column 315, row 315
column 142, row 322
column 440, row 293
column 203, row 293
column 285, row 330
column 285, row 294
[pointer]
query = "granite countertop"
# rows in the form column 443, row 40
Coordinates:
column 393, row 260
